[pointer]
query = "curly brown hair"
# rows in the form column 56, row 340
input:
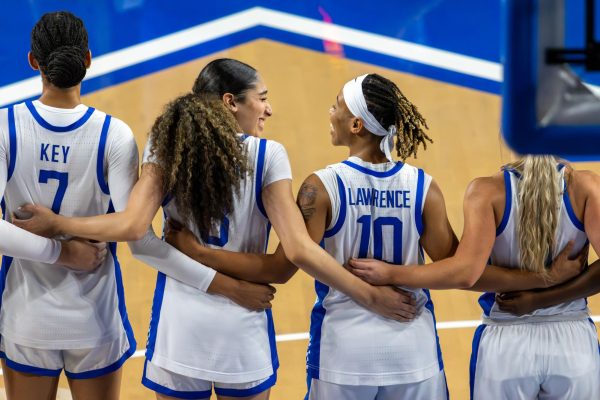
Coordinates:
column 202, row 159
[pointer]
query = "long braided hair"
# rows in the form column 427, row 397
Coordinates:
column 390, row 107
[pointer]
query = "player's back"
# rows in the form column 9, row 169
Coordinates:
column 376, row 213
column 506, row 252
column 56, row 158
column 241, row 345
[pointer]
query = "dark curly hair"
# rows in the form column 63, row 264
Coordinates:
column 202, row 159
column 59, row 43
column 390, row 107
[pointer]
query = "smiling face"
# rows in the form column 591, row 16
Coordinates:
column 341, row 121
column 252, row 112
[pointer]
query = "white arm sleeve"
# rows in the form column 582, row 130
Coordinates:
column 277, row 164
column 122, row 158
column 14, row 241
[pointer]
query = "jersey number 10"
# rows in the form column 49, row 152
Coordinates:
column 377, row 228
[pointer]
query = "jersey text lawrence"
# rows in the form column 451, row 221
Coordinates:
column 379, row 198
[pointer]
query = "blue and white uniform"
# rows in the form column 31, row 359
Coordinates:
column 551, row 353
column 79, row 162
column 197, row 340
column 52, row 317
column 354, row 353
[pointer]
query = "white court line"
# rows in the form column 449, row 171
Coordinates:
column 290, row 337
column 259, row 16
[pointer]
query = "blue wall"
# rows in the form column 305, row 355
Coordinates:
column 467, row 27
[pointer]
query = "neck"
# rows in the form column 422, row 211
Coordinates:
column 368, row 150
column 61, row 98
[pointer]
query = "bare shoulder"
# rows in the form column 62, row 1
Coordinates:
column 582, row 186
column 488, row 188
column 434, row 197
column 584, row 180
column 312, row 196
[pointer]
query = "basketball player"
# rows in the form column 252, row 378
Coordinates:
column 211, row 342
column 521, row 217
column 354, row 207
column 53, row 318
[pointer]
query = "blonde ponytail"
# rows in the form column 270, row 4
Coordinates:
column 539, row 191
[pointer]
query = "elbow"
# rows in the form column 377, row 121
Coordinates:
column 298, row 256
column 134, row 231
column 297, row 250
column 467, row 282
column 283, row 277
column 469, row 278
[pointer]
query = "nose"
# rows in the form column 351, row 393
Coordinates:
column 268, row 110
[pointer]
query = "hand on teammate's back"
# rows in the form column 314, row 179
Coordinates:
column 180, row 237
column 564, row 268
column 517, row 303
column 373, row 271
column 254, row 296
column 82, row 255
column 36, row 219
column 394, row 303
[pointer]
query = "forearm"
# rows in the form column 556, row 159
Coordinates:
column 171, row 262
column 251, row 267
column 114, row 227
column 316, row 262
column 584, row 285
column 450, row 273
column 499, row 280
column 18, row 243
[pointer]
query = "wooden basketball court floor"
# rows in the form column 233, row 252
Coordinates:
column 464, row 125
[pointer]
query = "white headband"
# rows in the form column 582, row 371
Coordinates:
column 355, row 100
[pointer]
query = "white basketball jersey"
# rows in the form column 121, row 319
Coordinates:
column 506, row 253
column 60, row 165
column 376, row 213
column 206, row 336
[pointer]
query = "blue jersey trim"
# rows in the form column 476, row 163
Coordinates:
column 342, row 216
column 28, row 369
column 474, row 353
column 59, row 129
column 268, row 227
column 204, row 394
column 166, row 200
column 429, row 306
column 272, row 339
column 6, row 263
column 507, row 203
column 270, row 382
column 159, row 293
column 378, row 174
column 574, row 220
column 313, row 356
column 12, row 136
column 419, row 202
column 112, row 247
column 486, row 301
column 102, row 371
column 260, row 166
column 101, row 151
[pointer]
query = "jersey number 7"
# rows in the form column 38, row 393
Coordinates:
column 63, row 181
